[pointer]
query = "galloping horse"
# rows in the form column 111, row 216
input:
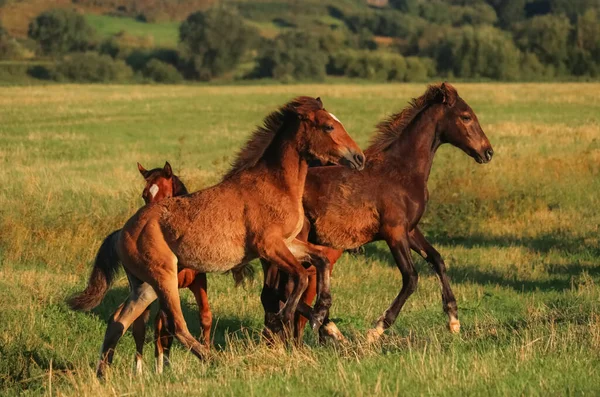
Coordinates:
column 254, row 212
column 386, row 201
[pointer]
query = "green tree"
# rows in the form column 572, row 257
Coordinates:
column 508, row 12
column 59, row 31
column 294, row 54
column 547, row 37
column 584, row 57
column 215, row 41
column 478, row 52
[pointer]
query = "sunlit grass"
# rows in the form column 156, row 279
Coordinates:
column 520, row 237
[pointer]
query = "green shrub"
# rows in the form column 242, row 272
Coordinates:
column 547, row 37
column 215, row 41
column 59, row 31
column 382, row 66
column 162, row 72
column 93, row 68
column 419, row 69
column 293, row 55
column 477, row 52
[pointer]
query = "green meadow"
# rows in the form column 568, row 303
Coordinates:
column 520, row 237
column 164, row 34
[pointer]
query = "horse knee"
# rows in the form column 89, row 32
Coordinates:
column 302, row 280
column 411, row 283
column 206, row 319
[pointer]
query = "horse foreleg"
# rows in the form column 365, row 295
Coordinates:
column 276, row 252
column 199, row 289
column 138, row 329
column 421, row 246
column 162, row 342
column 270, row 297
column 398, row 241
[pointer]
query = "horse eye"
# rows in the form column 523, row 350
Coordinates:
column 466, row 118
column 328, row 128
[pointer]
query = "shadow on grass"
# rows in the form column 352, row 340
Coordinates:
column 559, row 275
column 221, row 329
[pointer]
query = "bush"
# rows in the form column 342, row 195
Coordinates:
column 162, row 72
column 547, row 37
column 380, row 66
column 59, row 31
column 122, row 44
column 294, row 54
column 91, row 67
column 215, row 41
column 419, row 69
column 478, row 52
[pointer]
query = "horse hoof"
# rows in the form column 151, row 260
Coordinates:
column 374, row 334
column 454, row 326
column 330, row 331
column 275, row 324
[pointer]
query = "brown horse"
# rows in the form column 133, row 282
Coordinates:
column 387, row 199
column 161, row 183
column 254, row 212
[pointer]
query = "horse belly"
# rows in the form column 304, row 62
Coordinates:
column 208, row 257
column 346, row 231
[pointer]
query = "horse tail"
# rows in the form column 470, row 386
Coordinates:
column 105, row 268
column 243, row 273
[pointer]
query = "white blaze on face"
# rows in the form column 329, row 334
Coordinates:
column 335, row 118
column 153, row 190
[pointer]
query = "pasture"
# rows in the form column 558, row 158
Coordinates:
column 520, row 237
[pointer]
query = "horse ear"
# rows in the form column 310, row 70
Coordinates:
column 449, row 94
column 168, row 170
column 142, row 170
column 320, row 102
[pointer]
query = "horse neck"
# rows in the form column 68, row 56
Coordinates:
column 414, row 150
column 285, row 163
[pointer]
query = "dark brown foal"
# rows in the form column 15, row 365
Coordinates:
column 387, row 200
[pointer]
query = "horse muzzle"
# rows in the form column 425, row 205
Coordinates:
column 354, row 160
column 484, row 157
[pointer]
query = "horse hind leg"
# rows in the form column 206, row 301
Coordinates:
column 140, row 297
column 420, row 245
column 167, row 289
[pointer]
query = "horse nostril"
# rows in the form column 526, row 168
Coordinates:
column 488, row 154
column 360, row 159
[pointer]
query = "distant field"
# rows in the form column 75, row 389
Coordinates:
column 520, row 236
column 165, row 34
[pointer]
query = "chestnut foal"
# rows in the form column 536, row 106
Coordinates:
column 387, row 199
column 254, row 212
column 161, row 183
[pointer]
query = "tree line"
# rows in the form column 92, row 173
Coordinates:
column 409, row 40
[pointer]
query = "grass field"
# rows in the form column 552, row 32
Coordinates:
column 164, row 34
column 520, row 236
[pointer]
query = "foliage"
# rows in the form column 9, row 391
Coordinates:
column 215, row 41
column 478, row 52
column 93, row 68
column 545, row 36
column 380, row 66
column 293, row 55
column 59, row 31
column 162, row 72
column 470, row 39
